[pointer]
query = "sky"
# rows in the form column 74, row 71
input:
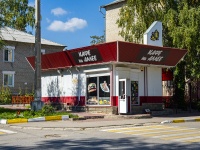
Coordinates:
column 71, row 22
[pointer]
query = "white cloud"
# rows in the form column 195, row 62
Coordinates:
column 58, row 11
column 71, row 25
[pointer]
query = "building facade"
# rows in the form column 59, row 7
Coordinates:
column 112, row 34
column 116, row 77
column 15, row 72
column 111, row 16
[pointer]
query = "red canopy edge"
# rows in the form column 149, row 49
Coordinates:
column 114, row 52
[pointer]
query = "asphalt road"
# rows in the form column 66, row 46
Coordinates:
column 96, row 139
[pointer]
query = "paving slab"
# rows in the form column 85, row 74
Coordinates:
column 108, row 121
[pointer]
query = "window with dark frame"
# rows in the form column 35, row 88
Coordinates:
column 8, row 80
column 9, row 54
column 98, row 90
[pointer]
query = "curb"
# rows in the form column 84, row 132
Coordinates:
column 39, row 119
column 83, row 128
column 181, row 120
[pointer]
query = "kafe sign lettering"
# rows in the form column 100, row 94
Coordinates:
column 151, row 55
column 86, row 56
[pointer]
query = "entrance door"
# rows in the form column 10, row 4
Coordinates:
column 123, row 98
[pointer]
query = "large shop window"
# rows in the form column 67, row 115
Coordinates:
column 98, row 90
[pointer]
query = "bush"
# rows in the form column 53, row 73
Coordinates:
column 5, row 95
column 47, row 110
column 32, row 114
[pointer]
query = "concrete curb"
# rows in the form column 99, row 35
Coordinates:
column 39, row 119
column 181, row 120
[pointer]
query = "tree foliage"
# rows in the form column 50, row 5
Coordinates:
column 181, row 26
column 16, row 14
column 181, row 23
column 97, row 39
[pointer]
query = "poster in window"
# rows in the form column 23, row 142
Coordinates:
column 104, row 90
column 134, row 92
column 92, row 91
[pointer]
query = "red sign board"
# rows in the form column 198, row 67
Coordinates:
column 86, row 56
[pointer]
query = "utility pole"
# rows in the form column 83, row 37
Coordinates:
column 37, row 104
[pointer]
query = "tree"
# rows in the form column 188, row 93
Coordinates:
column 16, row 14
column 97, row 39
column 181, row 26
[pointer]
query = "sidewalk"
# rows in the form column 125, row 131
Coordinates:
column 109, row 121
column 105, row 120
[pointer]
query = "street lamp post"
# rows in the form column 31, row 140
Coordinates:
column 37, row 104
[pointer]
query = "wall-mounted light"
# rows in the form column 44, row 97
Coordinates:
column 141, row 68
column 60, row 72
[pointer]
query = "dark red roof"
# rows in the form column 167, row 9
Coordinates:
column 150, row 55
column 112, row 52
column 52, row 61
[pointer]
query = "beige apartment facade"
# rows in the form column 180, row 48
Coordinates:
column 111, row 16
column 15, row 71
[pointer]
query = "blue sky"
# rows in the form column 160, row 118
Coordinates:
column 71, row 22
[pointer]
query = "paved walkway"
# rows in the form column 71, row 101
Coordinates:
column 104, row 123
column 107, row 121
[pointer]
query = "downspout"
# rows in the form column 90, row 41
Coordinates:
column 78, row 86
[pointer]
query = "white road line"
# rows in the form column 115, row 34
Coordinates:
column 7, row 131
column 172, row 133
column 157, row 132
column 187, row 139
column 176, row 134
column 131, row 128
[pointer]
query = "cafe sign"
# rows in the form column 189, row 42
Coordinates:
column 152, row 55
column 86, row 56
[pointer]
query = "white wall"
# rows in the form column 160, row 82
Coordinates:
column 131, row 75
column 67, row 85
column 154, row 77
column 55, row 85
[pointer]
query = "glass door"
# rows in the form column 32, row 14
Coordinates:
column 123, row 98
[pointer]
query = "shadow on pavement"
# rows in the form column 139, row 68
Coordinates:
column 100, row 144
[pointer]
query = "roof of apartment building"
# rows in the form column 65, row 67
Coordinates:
column 112, row 3
column 10, row 34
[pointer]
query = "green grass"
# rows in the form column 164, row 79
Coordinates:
column 12, row 114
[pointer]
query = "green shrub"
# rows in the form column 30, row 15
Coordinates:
column 47, row 110
column 5, row 95
column 32, row 114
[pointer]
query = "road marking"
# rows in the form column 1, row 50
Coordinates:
column 193, row 140
column 2, row 131
column 192, row 135
column 172, row 133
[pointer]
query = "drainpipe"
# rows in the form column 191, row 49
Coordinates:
column 78, row 86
